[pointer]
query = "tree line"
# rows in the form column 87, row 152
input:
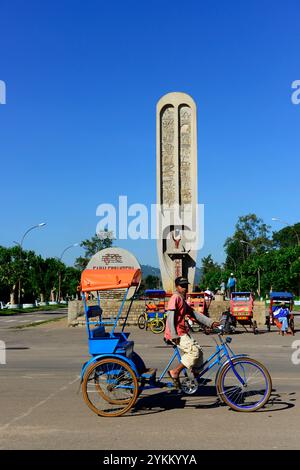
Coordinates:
column 26, row 276
column 261, row 260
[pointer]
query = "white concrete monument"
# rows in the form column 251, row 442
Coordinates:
column 176, row 160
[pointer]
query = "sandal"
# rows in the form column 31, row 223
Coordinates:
column 175, row 381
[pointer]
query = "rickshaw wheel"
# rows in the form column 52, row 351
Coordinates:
column 292, row 326
column 142, row 321
column 110, row 387
column 157, row 326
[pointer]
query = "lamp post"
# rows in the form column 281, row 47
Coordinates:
column 42, row 224
column 59, row 274
column 277, row 219
column 232, row 259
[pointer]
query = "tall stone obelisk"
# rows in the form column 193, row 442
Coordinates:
column 176, row 160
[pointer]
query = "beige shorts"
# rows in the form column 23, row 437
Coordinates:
column 193, row 354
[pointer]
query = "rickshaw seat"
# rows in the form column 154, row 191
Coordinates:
column 98, row 332
column 151, row 307
column 94, row 311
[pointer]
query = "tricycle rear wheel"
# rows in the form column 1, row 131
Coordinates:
column 157, row 326
column 110, row 387
column 292, row 326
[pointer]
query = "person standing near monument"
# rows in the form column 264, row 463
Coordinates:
column 231, row 284
column 177, row 331
column 222, row 287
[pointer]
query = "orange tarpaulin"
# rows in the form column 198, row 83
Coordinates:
column 106, row 279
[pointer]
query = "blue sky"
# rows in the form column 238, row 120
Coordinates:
column 78, row 129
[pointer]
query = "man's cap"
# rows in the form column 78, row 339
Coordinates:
column 181, row 281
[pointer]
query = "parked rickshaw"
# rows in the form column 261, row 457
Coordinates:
column 276, row 299
column 154, row 316
column 116, row 375
column 198, row 302
column 241, row 309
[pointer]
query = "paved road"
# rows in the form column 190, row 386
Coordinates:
column 40, row 407
column 8, row 321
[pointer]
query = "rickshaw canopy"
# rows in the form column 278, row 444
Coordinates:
column 281, row 296
column 241, row 296
column 107, row 279
column 155, row 293
column 196, row 294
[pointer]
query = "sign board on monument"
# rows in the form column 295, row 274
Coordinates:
column 114, row 258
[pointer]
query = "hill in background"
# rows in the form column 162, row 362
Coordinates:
column 151, row 271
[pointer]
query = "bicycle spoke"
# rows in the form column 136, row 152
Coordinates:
column 248, row 395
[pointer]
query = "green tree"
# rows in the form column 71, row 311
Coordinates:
column 277, row 270
column 70, row 281
column 151, row 282
column 252, row 230
column 212, row 274
column 91, row 247
column 287, row 237
column 10, row 270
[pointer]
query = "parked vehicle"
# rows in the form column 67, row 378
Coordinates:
column 197, row 300
column 276, row 299
column 154, row 316
column 241, row 308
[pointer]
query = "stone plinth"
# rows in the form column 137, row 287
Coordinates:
column 111, row 307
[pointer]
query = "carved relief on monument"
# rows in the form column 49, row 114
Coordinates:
column 168, row 157
column 185, row 121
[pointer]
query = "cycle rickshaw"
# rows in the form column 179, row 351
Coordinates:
column 116, row 375
column 198, row 302
column 276, row 299
column 155, row 311
column 241, row 309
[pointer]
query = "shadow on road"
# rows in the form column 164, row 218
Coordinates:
column 169, row 400
column 205, row 398
column 279, row 402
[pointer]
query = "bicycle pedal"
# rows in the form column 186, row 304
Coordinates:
column 149, row 373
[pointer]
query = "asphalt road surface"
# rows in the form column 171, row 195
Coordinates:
column 42, row 409
column 11, row 321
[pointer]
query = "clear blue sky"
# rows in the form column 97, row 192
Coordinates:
column 78, row 129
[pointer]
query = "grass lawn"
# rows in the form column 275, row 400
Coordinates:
column 46, row 308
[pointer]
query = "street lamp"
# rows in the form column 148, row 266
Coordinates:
column 277, row 219
column 233, row 260
column 42, row 224
column 59, row 274
column 248, row 243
